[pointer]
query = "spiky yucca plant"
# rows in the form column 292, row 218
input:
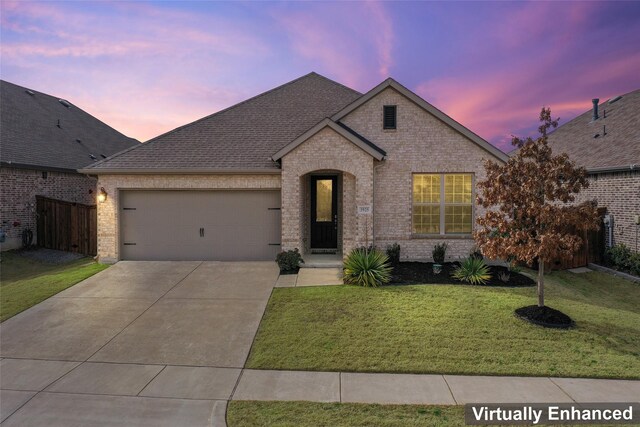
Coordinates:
column 369, row 268
column 473, row 270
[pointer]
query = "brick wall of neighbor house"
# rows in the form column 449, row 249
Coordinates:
column 325, row 151
column 420, row 144
column 620, row 193
column 18, row 197
column 108, row 238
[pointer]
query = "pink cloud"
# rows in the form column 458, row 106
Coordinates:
column 329, row 35
column 383, row 37
column 497, row 105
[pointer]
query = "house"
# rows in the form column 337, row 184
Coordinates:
column 311, row 164
column 44, row 140
column 606, row 141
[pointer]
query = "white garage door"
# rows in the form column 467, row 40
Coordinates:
column 199, row 225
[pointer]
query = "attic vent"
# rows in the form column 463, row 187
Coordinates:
column 93, row 157
column 103, row 156
column 65, row 103
column 77, row 140
column 30, row 92
column 389, row 117
column 617, row 98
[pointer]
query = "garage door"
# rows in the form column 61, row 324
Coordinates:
column 199, row 225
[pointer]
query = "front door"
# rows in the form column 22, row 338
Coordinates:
column 324, row 212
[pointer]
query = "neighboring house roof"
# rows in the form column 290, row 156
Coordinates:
column 617, row 145
column 391, row 83
column 39, row 131
column 240, row 138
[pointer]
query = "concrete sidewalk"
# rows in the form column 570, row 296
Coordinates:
column 311, row 277
column 428, row 389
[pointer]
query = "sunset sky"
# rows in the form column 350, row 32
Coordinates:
column 148, row 67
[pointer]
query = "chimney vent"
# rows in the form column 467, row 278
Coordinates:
column 595, row 108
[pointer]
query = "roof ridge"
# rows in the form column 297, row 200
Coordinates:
column 156, row 138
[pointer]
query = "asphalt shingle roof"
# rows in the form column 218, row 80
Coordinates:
column 243, row 136
column 30, row 136
column 619, row 147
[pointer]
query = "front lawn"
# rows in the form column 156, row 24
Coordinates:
column 310, row 414
column 302, row 414
column 25, row 282
column 454, row 329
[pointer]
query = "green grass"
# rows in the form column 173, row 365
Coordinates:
column 25, row 282
column 300, row 414
column 309, row 414
column 454, row 329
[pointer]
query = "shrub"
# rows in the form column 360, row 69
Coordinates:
column 473, row 271
column 634, row 264
column 514, row 267
column 367, row 268
column 439, row 252
column 619, row 255
column 393, row 252
column 475, row 253
column 504, row 276
column 289, row 260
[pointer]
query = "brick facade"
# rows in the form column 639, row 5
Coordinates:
column 619, row 192
column 420, row 144
column 327, row 151
column 18, row 197
column 108, row 236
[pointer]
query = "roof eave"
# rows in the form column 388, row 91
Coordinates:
column 179, row 171
column 609, row 169
column 37, row 167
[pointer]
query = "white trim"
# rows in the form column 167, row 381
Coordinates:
column 335, row 127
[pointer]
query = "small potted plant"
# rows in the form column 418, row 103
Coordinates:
column 439, row 252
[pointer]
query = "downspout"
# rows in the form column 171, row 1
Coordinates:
column 373, row 208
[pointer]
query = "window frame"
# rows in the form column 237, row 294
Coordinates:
column 395, row 117
column 443, row 204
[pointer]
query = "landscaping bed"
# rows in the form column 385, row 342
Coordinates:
column 409, row 273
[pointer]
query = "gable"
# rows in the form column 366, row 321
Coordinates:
column 380, row 96
column 344, row 131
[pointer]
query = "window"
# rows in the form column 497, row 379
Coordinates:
column 324, row 200
column 389, row 117
column 442, row 203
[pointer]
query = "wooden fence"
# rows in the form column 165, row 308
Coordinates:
column 592, row 249
column 66, row 226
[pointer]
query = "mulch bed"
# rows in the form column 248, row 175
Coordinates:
column 410, row 273
column 544, row 316
column 286, row 272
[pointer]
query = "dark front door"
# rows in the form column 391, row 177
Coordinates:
column 324, row 212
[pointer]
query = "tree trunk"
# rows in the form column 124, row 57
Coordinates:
column 540, row 283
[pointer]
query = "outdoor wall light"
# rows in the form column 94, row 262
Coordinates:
column 102, row 196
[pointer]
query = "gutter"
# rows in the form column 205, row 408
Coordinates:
column 37, row 167
column 609, row 169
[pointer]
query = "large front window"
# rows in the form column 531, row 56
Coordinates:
column 442, row 203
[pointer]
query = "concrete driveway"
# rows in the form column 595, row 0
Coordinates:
column 141, row 343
